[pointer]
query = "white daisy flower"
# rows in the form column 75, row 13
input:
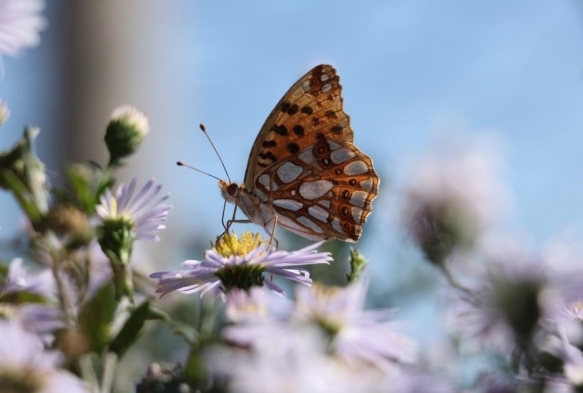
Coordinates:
column 26, row 367
column 20, row 24
column 20, row 279
column 141, row 212
column 355, row 336
column 452, row 196
column 241, row 263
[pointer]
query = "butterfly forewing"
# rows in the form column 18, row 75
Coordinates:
column 312, row 106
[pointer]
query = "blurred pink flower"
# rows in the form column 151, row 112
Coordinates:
column 20, row 24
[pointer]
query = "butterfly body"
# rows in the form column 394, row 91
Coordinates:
column 304, row 172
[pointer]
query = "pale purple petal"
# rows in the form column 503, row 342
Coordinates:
column 146, row 214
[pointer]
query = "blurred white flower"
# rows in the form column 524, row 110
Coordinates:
column 40, row 319
column 26, row 367
column 564, row 260
column 287, row 360
column 20, row 24
column 20, row 279
column 453, row 195
column 503, row 306
column 246, row 306
column 357, row 337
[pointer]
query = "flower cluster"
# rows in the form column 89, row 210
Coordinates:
column 75, row 295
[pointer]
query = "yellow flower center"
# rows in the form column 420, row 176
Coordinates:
column 113, row 211
column 331, row 322
column 576, row 307
column 230, row 244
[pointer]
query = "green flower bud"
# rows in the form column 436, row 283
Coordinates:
column 357, row 265
column 125, row 132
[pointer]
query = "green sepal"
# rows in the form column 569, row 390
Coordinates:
column 10, row 181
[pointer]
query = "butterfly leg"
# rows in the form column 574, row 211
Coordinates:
column 231, row 222
column 271, row 234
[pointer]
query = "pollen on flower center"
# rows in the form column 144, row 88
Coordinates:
column 229, row 244
column 113, row 204
column 330, row 321
column 576, row 308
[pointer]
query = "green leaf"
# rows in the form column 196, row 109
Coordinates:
column 133, row 327
column 22, row 297
column 83, row 183
column 96, row 316
column 18, row 188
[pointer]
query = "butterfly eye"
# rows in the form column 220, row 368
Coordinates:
column 232, row 189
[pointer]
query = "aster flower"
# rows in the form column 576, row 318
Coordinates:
column 19, row 279
column 509, row 299
column 356, row 335
column 141, row 213
column 40, row 319
column 246, row 305
column 241, row 263
column 287, row 359
column 20, row 24
column 559, row 346
column 563, row 259
column 27, row 367
column 126, row 218
column 452, row 197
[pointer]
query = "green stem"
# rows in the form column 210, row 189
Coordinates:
column 88, row 373
column 109, row 366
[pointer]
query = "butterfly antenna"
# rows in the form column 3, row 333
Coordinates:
column 215, row 149
column 180, row 163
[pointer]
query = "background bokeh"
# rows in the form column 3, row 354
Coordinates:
column 414, row 72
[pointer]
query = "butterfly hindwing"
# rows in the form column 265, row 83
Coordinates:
column 325, row 190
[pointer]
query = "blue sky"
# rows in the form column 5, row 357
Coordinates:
column 411, row 71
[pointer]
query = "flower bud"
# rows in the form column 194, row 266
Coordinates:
column 67, row 220
column 357, row 265
column 125, row 132
column 435, row 234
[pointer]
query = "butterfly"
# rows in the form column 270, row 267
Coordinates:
column 304, row 173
